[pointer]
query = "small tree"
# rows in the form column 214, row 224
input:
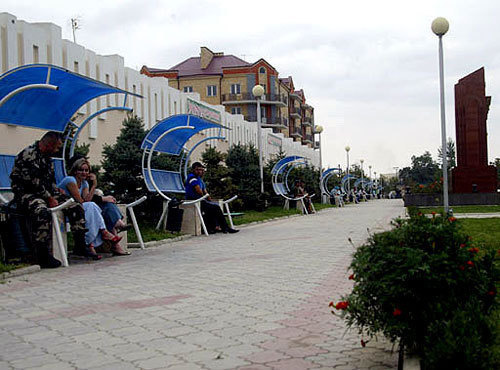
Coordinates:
column 122, row 161
column 450, row 153
column 217, row 175
column 243, row 164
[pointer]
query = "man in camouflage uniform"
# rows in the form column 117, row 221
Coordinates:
column 35, row 191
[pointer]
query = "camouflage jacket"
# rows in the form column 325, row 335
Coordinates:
column 33, row 174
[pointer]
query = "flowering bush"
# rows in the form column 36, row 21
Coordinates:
column 434, row 187
column 427, row 286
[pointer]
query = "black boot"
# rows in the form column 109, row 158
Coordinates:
column 81, row 248
column 45, row 258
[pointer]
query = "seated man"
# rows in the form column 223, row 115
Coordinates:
column 212, row 213
column 35, row 191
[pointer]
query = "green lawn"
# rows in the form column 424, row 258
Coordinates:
column 463, row 209
column 484, row 231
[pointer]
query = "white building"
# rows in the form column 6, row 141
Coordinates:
column 26, row 43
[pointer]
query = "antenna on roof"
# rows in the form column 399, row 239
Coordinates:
column 243, row 56
column 75, row 25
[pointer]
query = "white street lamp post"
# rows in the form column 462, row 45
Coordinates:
column 318, row 130
column 258, row 91
column 440, row 26
column 347, row 148
column 361, row 161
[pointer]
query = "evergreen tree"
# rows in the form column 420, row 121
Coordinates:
column 243, row 164
column 122, row 161
column 217, row 178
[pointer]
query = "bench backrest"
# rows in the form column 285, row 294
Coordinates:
column 167, row 181
column 279, row 188
column 7, row 164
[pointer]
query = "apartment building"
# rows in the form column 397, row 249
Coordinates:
column 228, row 80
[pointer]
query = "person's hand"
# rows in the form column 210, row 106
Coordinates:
column 109, row 199
column 52, row 202
column 92, row 177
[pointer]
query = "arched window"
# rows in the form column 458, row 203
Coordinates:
column 262, row 70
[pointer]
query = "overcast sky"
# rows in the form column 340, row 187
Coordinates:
column 369, row 68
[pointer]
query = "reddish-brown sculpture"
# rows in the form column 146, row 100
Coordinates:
column 472, row 174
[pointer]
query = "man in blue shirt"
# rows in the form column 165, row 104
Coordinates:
column 212, row 213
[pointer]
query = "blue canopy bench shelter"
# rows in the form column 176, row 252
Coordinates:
column 280, row 173
column 170, row 137
column 331, row 191
column 46, row 97
column 343, row 184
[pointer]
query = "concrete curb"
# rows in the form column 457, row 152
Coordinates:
column 19, row 272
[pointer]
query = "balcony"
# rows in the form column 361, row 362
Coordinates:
column 308, row 139
column 248, row 98
column 296, row 133
column 275, row 122
column 308, row 121
column 295, row 112
column 295, row 96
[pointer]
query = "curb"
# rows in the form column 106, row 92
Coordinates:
column 18, row 272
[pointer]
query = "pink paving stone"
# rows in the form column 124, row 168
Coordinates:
column 319, row 327
column 111, row 307
column 292, row 364
column 265, row 356
column 311, row 339
column 304, row 351
column 286, row 332
column 294, row 322
column 254, row 367
column 277, row 344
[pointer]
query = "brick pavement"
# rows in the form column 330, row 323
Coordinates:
column 253, row 300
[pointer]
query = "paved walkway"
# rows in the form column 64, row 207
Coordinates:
column 253, row 300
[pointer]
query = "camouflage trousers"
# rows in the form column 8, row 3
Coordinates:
column 41, row 220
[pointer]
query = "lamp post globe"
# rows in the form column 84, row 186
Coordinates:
column 440, row 26
column 258, row 91
column 362, row 184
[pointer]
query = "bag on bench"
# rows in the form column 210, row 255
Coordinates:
column 175, row 214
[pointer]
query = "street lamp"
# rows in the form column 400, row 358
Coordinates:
column 258, row 91
column 370, row 169
column 318, row 130
column 361, row 161
column 440, row 26
column 347, row 148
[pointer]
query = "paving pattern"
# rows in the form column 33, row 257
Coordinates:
column 253, row 300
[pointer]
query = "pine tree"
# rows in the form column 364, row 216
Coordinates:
column 122, row 161
column 217, row 178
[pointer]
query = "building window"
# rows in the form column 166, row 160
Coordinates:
column 235, row 89
column 236, row 110
column 188, row 89
column 36, row 56
column 262, row 70
column 211, row 90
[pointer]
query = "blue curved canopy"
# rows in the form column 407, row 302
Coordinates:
column 173, row 142
column 329, row 171
column 42, row 107
column 280, row 167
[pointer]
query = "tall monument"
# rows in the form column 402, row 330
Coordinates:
column 472, row 174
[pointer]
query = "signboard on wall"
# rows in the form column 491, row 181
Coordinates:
column 197, row 109
column 274, row 140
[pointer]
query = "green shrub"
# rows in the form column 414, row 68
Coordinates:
column 426, row 285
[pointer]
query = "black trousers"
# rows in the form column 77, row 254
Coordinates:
column 213, row 216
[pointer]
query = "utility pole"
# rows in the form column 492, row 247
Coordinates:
column 75, row 25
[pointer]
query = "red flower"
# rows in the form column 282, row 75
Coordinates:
column 363, row 343
column 419, row 214
column 342, row 305
column 452, row 219
column 331, row 304
column 351, row 277
column 433, row 213
column 462, row 245
column 473, row 250
column 470, row 263
column 421, row 186
column 491, row 293
column 461, row 267
column 397, row 312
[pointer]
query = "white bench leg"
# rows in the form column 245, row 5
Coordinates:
column 304, row 209
column 162, row 222
column 136, row 227
column 229, row 215
column 56, row 227
column 198, row 210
